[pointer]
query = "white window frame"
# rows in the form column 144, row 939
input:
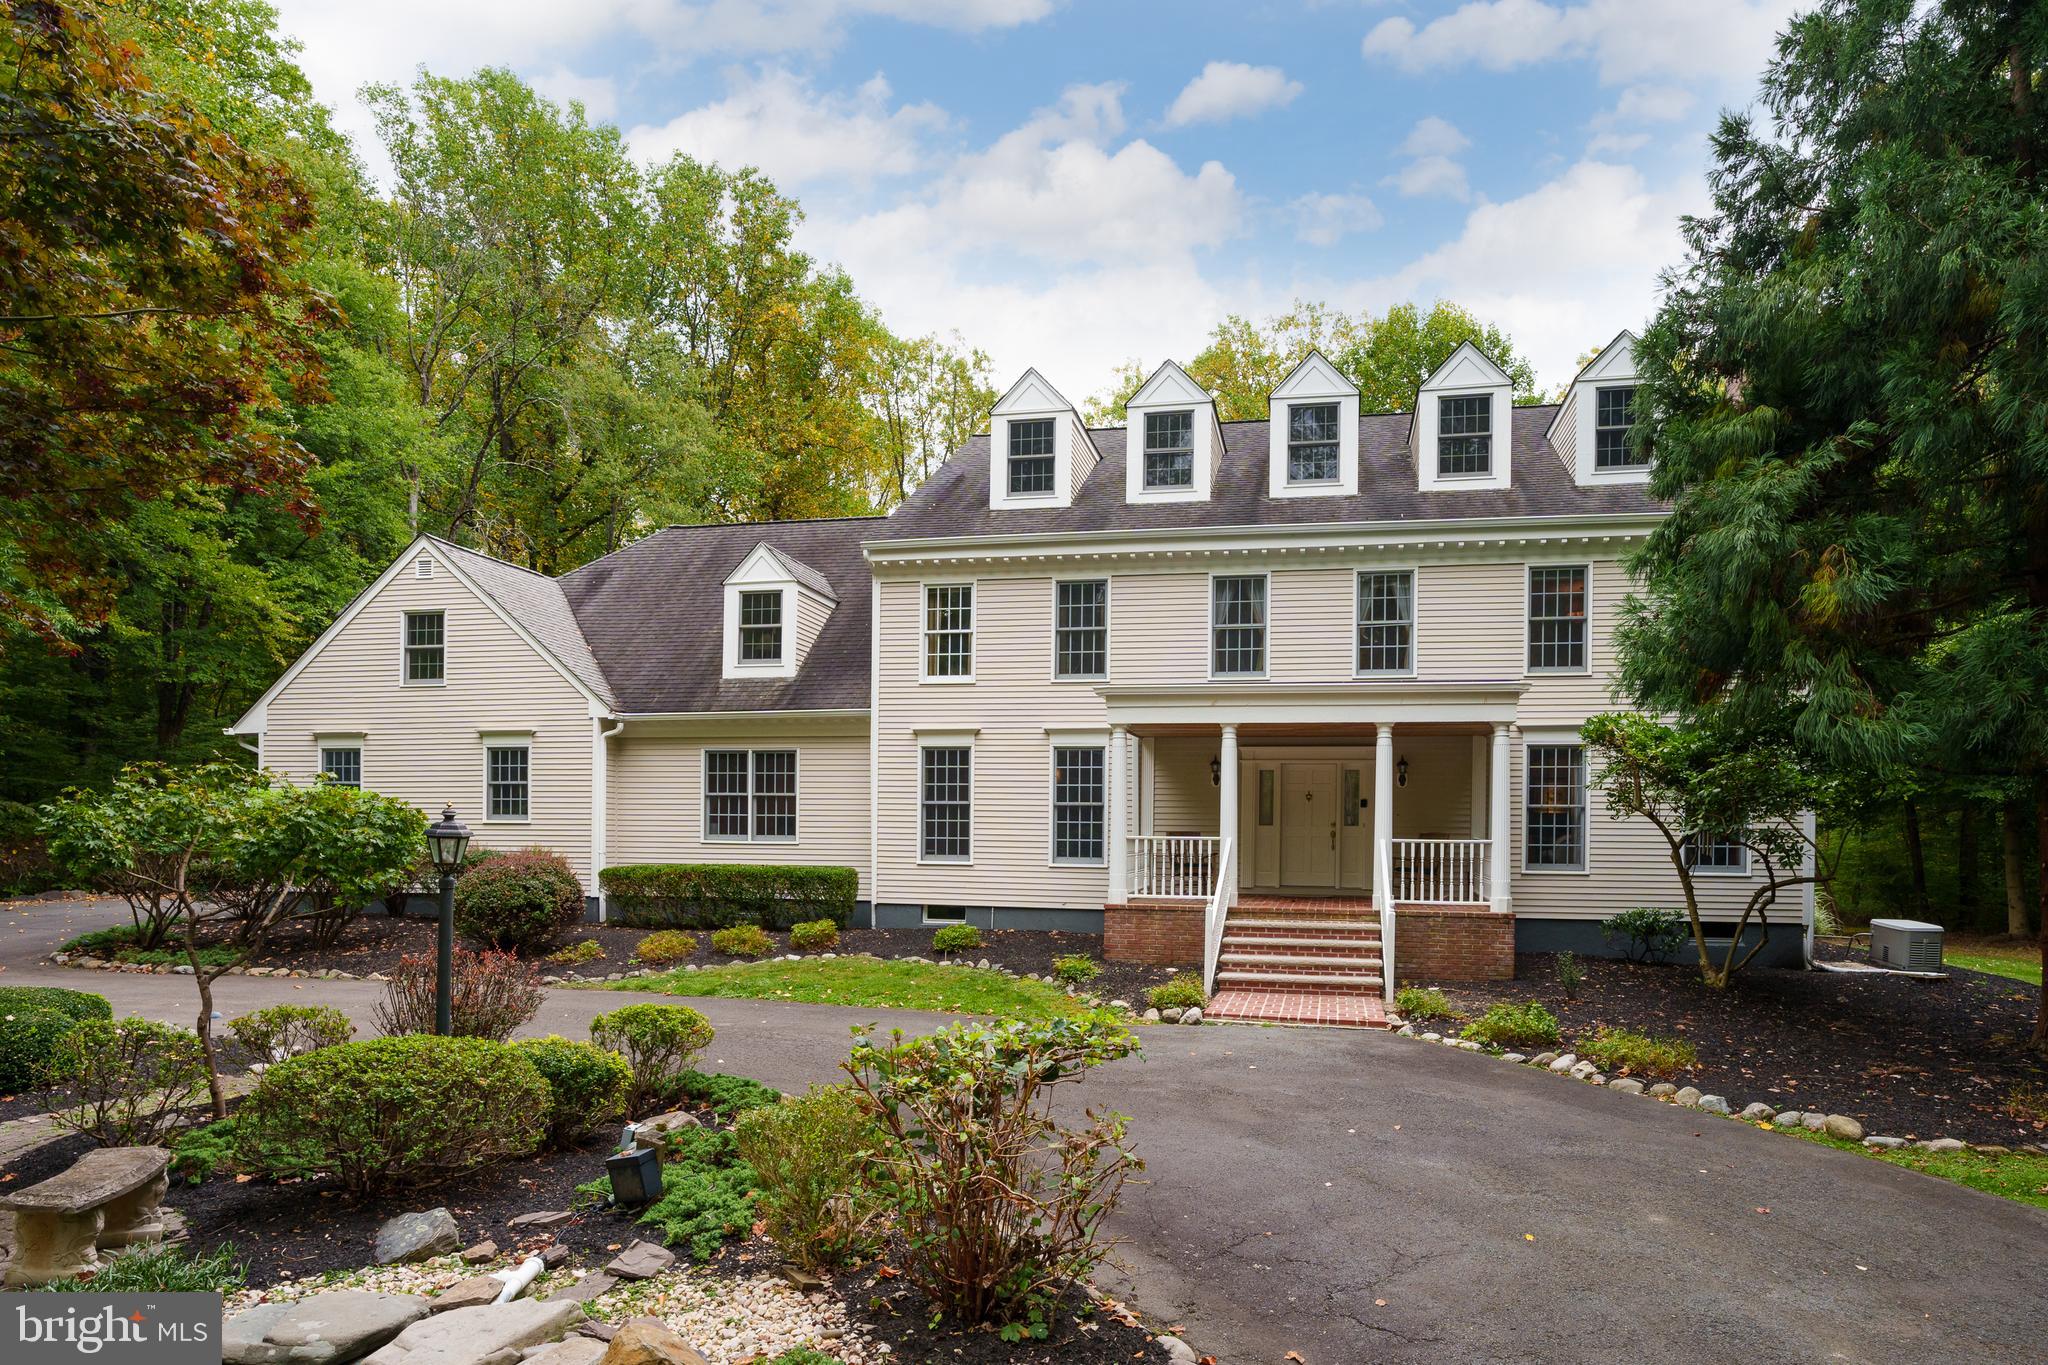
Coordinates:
column 925, row 632
column 1539, row 740
column 347, row 745
column 1529, row 621
column 752, row 793
column 1636, row 461
column 1010, row 458
column 510, row 741
column 781, row 597
column 1288, row 443
column 1492, row 436
column 1193, row 450
column 1100, row 743
column 406, row 647
column 948, row 741
column 1741, row 869
column 1058, row 676
column 924, row 915
column 1265, row 630
column 1358, row 621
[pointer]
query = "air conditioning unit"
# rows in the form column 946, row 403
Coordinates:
column 1906, row 944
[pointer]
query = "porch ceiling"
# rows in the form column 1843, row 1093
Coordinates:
column 1277, row 710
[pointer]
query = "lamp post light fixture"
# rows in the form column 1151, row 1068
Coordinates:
column 447, row 841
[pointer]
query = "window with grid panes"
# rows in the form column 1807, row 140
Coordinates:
column 1169, row 450
column 725, row 794
column 1081, row 629
column 1613, row 416
column 1238, row 624
column 1464, row 435
column 775, row 793
column 949, row 630
column 1312, row 443
column 946, row 804
column 1554, row 807
column 1386, row 621
column 1715, row 853
column 1077, row 805
column 1557, row 618
column 343, row 765
column 506, row 771
column 426, row 641
column 1031, row 456
column 750, row 794
column 761, row 627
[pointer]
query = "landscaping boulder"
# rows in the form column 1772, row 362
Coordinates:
column 650, row 1341
column 1688, row 1096
column 480, row 1253
column 322, row 1329
column 1193, row 1016
column 647, row 1130
column 585, row 1289
column 417, row 1236
column 1790, row 1118
column 1172, row 1016
column 492, row 1335
column 1178, row 1351
column 1813, row 1123
column 470, row 1293
column 1661, row 1089
column 570, row 1350
column 1884, row 1143
column 1627, row 1085
column 1543, row 1059
column 1843, row 1127
column 1756, row 1112
column 1564, row 1062
column 1506, row 1057
column 641, row 1261
column 1941, row 1145
column 1713, row 1104
column 545, row 1219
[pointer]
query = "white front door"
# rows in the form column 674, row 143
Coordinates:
column 1308, row 824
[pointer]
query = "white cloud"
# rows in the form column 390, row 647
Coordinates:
column 1653, row 104
column 1434, row 171
column 774, row 119
column 1228, row 90
column 1326, row 219
column 598, row 95
column 1726, row 41
column 1616, row 144
column 1434, row 136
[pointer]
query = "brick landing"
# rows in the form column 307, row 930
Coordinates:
column 1268, row 1005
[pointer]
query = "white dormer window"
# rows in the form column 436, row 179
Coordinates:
column 1461, row 436
column 1172, row 442
column 1033, row 465
column 1464, row 436
column 1039, row 453
column 1312, row 443
column 1170, row 449
column 1313, row 432
column 761, row 627
column 775, row 608
column 1613, row 417
column 1593, row 431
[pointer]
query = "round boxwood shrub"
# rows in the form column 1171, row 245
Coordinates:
column 743, row 940
column 659, row 1042
column 666, row 945
column 28, row 1045
column 1076, row 968
column 79, row 1005
column 956, row 938
column 277, row 1032
column 519, row 902
column 393, row 1111
column 587, row 1086
column 814, row 934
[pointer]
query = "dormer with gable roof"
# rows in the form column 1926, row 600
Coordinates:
column 1462, row 432
column 1591, row 432
column 1313, row 432
column 775, row 607
column 1172, row 440
column 1038, row 449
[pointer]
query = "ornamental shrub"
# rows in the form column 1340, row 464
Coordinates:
column 725, row 1096
column 199, row 1154
column 1424, row 1002
column 161, row 1270
column 283, row 1031
column 1525, row 1025
column 814, row 934
column 665, row 946
column 127, row 1081
column 1076, row 968
column 519, row 902
column 77, row 1005
column 393, row 1112
column 581, row 951
column 1639, row 1054
column 587, row 1086
column 742, row 940
column 956, row 938
column 491, row 995
column 659, row 1042
column 718, row 895
column 701, row 1206
column 1184, row 992
column 811, row 1155
column 28, row 1045
column 1647, row 934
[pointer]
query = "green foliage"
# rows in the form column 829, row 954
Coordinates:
column 719, row 895
column 1504, row 1025
column 742, row 940
column 659, row 1042
column 160, row 1270
column 77, row 1005
column 1184, row 992
column 25, row 866
column 701, row 1206
column 581, row 951
column 520, row 902
column 665, row 946
column 955, row 938
column 999, row 1206
column 804, row 1355
column 127, row 1081
column 1616, row 1050
column 279, row 1031
column 1649, row 933
column 811, row 1155
column 1076, row 968
column 587, row 1086
column 389, row 1112
column 1424, row 1002
column 199, row 1154
column 725, row 1096
column 489, row 995
column 814, row 935
column 29, row 1038
column 1570, row 974
column 705, row 1145
column 869, row 982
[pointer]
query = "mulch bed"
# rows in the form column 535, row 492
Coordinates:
column 29, row 1102
column 1080, row 1333
column 1904, row 1057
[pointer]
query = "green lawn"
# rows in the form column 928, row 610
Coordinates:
column 2020, row 961
column 2022, row 1176
column 867, row 981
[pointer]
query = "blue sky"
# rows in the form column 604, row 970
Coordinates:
column 1070, row 183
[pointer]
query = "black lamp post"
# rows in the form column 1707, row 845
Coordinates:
column 447, row 841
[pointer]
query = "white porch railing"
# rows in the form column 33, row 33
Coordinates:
column 1179, row 867
column 1383, row 875
column 1218, row 910
column 1441, row 871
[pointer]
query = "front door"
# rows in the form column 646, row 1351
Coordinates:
column 1308, row 824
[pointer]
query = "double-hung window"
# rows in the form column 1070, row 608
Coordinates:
column 1031, row 457
column 1081, row 629
column 1464, row 435
column 426, row 641
column 1715, row 852
column 761, row 627
column 945, row 803
column 949, row 630
column 1557, row 619
column 1554, row 808
column 1312, row 443
column 750, row 794
column 1237, row 625
column 508, row 788
column 1613, row 416
column 342, row 764
column 1386, row 621
column 1077, row 805
column 1170, row 449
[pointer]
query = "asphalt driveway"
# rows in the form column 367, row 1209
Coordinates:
column 1359, row 1197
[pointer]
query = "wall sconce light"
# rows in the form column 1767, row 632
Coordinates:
column 1216, row 771
column 1401, row 772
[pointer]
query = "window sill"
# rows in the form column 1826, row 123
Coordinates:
column 946, row 862
column 948, row 679
column 1402, row 675
column 1080, row 677
column 1556, row 871
column 1557, row 672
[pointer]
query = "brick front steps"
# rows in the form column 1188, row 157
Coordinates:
column 1300, row 961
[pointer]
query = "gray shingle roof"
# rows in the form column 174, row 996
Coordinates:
column 652, row 613
column 538, row 603
column 954, row 501
column 805, row 574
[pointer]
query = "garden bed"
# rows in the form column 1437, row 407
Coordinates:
column 1909, row 1057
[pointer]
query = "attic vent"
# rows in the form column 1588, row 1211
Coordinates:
column 425, row 568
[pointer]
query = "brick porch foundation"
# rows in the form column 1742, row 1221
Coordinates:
column 1453, row 943
column 1161, row 934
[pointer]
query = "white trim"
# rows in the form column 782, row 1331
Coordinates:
column 1055, row 741
column 949, row 739
column 924, row 630
column 1537, row 740
column 1265, row 628
column 1528, row 618
column 925, row 919
column 487, row 741
column 1467, row 372
column 875, row 741
column 1315, row 380
column 405, row 649
column 1613, row 367
column 1333, row 703
column 704, row 834
column 1055, row 674
column 1172, row 389
column 945, row 734
column 1414, row 620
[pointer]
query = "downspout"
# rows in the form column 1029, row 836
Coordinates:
column 600, row 803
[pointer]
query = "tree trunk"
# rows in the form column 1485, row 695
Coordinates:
column 1966, row 862
column 2015, row 827
column 205, row 1030
column 1916, row 854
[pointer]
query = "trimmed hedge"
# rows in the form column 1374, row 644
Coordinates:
column 720, row 895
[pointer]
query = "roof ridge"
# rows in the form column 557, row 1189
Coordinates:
column 481, row 554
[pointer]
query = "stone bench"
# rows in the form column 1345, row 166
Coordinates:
column 109, row 1198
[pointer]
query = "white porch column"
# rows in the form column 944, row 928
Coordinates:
column 1383, row 806
column 1497, row 869
column 1226, row 794
column 1116, row 844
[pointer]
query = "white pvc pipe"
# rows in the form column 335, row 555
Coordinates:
column 516, row 1280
